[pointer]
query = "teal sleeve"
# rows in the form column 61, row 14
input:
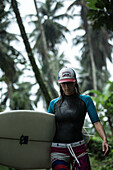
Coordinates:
column 51, row 105
column 51, row 108
column 90, row 108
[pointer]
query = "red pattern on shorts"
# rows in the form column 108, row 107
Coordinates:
column 84, row 160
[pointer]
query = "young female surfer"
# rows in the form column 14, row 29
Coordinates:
column 70, row 109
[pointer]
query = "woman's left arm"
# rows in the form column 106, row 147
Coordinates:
column 99, row 128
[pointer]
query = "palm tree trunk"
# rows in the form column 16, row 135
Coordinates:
column 42, row 33
column 30, row 54
column 10, row 92
column 105, row 33
column 92, row 60
column 45, row 53
column 87, row 29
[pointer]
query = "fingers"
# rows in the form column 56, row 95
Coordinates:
column 107, row 151
column 105, row 148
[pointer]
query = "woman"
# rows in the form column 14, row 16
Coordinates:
column 68, row 147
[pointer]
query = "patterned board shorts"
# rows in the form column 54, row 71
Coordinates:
column 70, row 156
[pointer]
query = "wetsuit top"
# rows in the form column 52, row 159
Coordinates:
column 70, row 115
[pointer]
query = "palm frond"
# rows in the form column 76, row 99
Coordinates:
column 57, row 7
column 76, row 2
column 62, row 16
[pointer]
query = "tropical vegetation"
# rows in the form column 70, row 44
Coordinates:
column 28, row 77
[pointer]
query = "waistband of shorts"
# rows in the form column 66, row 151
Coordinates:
column 64, row 145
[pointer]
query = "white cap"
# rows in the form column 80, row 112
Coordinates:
column 66, row 75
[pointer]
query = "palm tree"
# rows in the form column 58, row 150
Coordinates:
column 82, row 3
column 96, row 49
column 8, row 55
column 6, row 50
column 19, row 97
column 36, row 70
column 48, row 33
column 45, row 56
column 100, row 52
column 54, row 31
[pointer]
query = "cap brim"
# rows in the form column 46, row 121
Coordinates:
column 66, row 80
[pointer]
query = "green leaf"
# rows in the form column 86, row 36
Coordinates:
column 91, row 4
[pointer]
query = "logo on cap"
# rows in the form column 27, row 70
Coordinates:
column 66, row 74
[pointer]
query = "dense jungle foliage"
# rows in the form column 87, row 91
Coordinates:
column 30, row 61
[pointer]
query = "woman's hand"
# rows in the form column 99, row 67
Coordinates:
column 105, row 148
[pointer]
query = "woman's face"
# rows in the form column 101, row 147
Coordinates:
column 68, row 88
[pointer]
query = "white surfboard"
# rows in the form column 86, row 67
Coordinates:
column 25, row 139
